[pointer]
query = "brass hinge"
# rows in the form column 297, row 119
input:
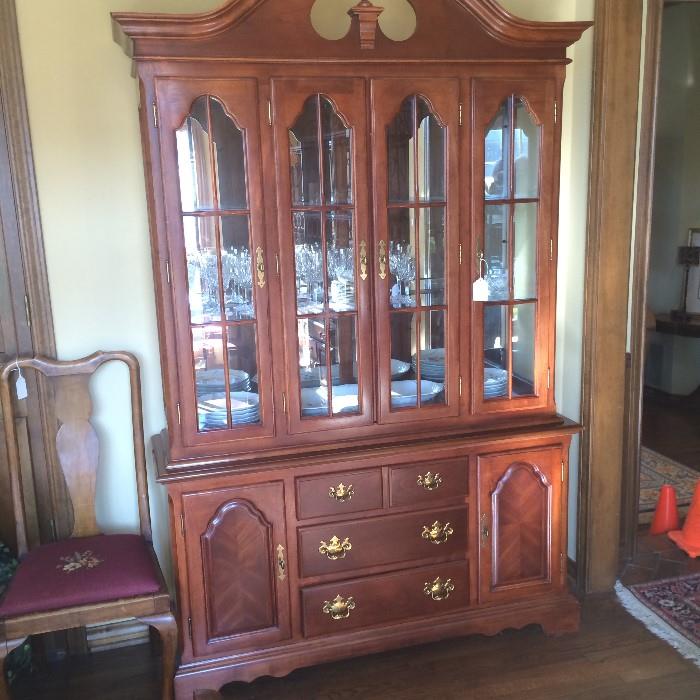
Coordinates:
column 284, row 403
column 277, row 263
column 460, row 386
column 551, row 249
column 167, row 271
column 189, row 627
column 269, row 112
column 556, row 111
column 27, row 310
column 53, row 529
column 179, row 416
column 549, row 378
column 461, row 109
column 460, row 253
column 562, row 560
column 182, row 524
column 154, row 106
column 562, row 470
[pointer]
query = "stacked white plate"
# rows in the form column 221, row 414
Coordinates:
column 432, row 364
column 314, row 401
column 404, row 392
column 495, row 382
column 211, row 381
column 245, row 409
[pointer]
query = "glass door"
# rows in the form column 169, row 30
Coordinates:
column 513, row 183
column 414, row 148
column 320, row 141
column 217, row 261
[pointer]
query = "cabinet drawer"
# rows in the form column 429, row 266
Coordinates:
column 337, row 494
column 428, row 482
column 385, row 540
column 386, row 598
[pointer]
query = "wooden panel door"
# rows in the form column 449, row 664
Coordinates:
column 514, row 200
column 210, row 151
column 520, row 523
column 320, row 128
column 415, row 149
column 236, row 562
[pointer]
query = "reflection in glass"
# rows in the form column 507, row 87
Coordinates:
column 497, row 155
column 243, row 364
column 312, row 366
column 202, row 268
column 431, row 154
column 308, row 259
column 340, row 260
column 526, row 151
column 237, row 268
column 229, row 159
column 495, row 351
column 304, row 156
column 210, row 384
column 194, row 159
column 402, row 262
column 496, row 250
column 432, row 357
column 400, row 154
column 343, row 349
column 404, row 392
column 336, row 145
column 432, row 256
column 523, row 349
column 525, row 251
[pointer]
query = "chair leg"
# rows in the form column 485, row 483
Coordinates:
column 166, row 626
column 6, row 646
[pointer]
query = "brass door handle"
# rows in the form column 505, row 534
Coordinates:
column 439, row 589
column 341, row 492
column 281, row 563
column 382, row 260
column 363, row 260
column 437, row 533
column 260, row 267
column 430, row 481
column 335, row 549
column 484, row 528
column 339, row 608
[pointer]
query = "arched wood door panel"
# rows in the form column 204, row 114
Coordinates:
column 520, row 523
column 238, row 594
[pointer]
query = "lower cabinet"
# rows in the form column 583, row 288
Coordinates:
column 520, row 511
column 237, row 569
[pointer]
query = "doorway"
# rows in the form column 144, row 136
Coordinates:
column 663, row 392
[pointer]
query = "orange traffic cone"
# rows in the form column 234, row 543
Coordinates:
column 666, row 515
column 688, row 539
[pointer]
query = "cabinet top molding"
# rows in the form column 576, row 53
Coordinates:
column 279, row 30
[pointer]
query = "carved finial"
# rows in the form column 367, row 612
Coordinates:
column 368, row 14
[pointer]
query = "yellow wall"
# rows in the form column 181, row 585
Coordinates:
column 83, row 118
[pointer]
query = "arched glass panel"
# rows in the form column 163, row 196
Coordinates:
column 220, row 266
column 320, row 151
column 417, row 221
column 511, row 190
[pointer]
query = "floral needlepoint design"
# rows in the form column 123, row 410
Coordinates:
column 86, row 560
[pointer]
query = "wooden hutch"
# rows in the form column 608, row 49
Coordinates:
column 355, row 249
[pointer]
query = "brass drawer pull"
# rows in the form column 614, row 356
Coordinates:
column 437, row 533
column 335, row 549
column 430, row 482
column 484, row 529
column 338, row 608
column 439, row 589
column 341, row 492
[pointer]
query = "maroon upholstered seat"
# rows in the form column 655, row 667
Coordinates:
column 80, row 571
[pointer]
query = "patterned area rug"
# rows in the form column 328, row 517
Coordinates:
column 670, row 609
column 657, row 470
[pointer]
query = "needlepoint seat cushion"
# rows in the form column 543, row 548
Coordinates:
column 80, row 571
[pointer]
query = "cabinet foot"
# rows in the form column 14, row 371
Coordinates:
column 166, row 626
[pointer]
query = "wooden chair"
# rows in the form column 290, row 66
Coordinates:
column 89, row 577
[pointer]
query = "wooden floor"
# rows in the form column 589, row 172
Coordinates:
column 613, row 656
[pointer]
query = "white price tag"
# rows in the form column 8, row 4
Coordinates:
column 480, row 290
column 21, row 387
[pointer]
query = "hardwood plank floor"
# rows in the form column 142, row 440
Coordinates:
column 613, row 656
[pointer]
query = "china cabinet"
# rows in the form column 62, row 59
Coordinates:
column 354, row 247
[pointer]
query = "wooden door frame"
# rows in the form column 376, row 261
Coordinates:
column 640, row 275
column 617, row 51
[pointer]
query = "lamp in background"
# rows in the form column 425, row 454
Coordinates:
column 688, row 257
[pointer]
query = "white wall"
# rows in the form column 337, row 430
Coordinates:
column 83, row 119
